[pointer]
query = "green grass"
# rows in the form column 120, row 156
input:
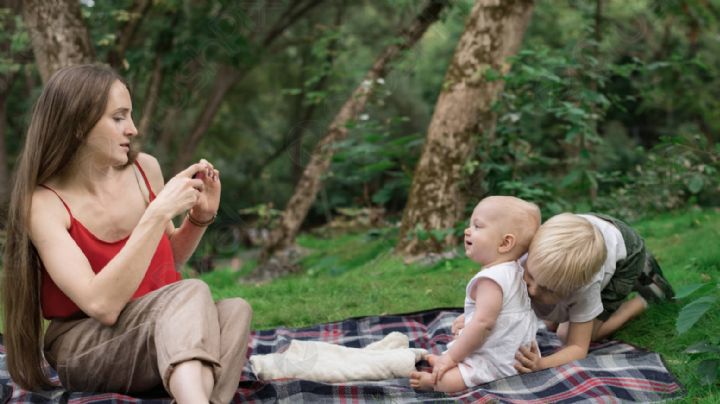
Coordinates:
column 356, row 274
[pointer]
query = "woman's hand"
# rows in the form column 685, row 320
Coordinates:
column 208, row 202
column 458, row 324
column 528, row 360
column 180, row 194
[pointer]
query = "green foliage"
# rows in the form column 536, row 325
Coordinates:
column 706, row 299
column 544, row 148
column 677, row 171
column 375, row 158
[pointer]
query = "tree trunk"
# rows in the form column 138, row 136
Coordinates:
column 309, row 184
column 463, row 111
column 58, row 34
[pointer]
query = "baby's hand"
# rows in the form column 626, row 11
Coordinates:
column 458, row 324
column 528, row 360
column 442, row 365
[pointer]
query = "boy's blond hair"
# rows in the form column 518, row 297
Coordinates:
column 566, row 252
column 521, row 217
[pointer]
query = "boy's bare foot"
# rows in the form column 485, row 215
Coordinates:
column 421, row 381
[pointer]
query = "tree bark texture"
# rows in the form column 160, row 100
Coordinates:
column 58, row 34
column 310, row 182
column 463, row 111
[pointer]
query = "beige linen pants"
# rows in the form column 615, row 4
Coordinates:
column 174, row 324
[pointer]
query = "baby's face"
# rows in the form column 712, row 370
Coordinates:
column 484, row 234
column 539, row 294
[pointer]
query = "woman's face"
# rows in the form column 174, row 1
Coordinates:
column 109, row 139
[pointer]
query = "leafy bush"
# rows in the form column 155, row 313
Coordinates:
column 678, row 171
column 706, row 298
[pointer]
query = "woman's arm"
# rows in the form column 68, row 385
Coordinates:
column 185, row 239
column 488, row 303
column 103, row 295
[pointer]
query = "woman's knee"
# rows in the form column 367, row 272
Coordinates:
column 234, row 308
column 193, row 289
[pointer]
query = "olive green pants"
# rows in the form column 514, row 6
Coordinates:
column 153, row 334
column 628, row 276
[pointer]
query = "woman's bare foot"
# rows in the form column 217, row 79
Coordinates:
column 421, row 381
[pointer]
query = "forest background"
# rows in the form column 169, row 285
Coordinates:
column 604, row 105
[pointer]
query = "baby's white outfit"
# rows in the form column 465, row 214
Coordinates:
column 515, row 326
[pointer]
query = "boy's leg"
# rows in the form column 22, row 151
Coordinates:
column 651, row 284
column 626, row 312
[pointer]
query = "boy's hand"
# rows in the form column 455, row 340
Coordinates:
column 442, row 365
column 528, row 360
column 458, row 324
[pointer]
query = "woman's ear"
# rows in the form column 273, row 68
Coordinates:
column 508, row 243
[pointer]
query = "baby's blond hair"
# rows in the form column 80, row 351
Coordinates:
column 521, row 218
column 566, row 252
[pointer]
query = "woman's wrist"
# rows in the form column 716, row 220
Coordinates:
column 200, row 220
column 153, row 213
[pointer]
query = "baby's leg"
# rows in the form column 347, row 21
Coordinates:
column 421, row 381
column 451, row 381
column 431, row 358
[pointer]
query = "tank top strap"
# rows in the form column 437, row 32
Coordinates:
column 147, row 183
column 61, row 200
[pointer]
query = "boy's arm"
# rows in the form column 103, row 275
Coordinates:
column 578, row 342
column 488, row 303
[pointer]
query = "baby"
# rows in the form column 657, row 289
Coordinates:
column 498, row 318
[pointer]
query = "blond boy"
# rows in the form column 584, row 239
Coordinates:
column 579, row 271
column 498, row 318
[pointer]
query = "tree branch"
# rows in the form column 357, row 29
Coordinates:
column 126, row 33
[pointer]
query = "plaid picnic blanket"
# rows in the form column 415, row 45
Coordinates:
column 612, row 372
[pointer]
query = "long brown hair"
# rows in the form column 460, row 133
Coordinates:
column 71, row 103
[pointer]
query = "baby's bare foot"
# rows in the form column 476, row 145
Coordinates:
column 421, row 381
column 431, row 359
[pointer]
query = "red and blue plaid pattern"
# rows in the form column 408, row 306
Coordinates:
column 612, row 372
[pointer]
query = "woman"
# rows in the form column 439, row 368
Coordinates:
column 91, row 246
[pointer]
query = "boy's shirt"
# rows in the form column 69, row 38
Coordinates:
column 586, row 303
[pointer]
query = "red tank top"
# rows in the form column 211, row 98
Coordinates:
column 160, row 272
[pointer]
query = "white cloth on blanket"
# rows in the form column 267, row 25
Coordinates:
column 318, row 361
